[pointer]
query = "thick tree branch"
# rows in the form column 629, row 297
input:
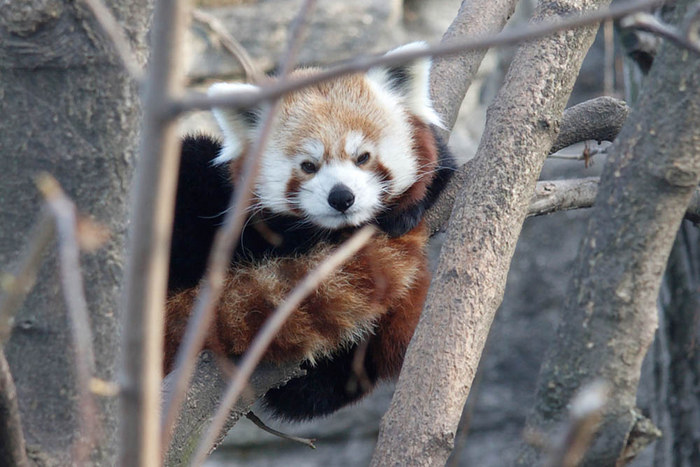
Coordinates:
column 204, row 397
column 467, row 288
column 597, row 119
column 611, row 316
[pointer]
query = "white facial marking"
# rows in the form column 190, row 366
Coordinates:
column 365, row 186
column 395, row 146
column 353, row 142
column 312, row 148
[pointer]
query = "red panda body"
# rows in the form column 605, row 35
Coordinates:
column 353, row 151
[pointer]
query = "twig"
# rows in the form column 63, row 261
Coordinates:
column 17, row 285
column 228, row 42
column 150, row 232
column 686, row 36
column 269, row 330
column 586, row 410
column 260, row 424
column 64, row 213
column 586, row 155
column 532, row 31
column 117, row 38
column 222, row 249
column 561, row 195
column 12, row 445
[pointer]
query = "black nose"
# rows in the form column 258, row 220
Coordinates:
column 340, row 197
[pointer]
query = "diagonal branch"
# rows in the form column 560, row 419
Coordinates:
column 222, row 249
column 468, row 285
column 64, row 213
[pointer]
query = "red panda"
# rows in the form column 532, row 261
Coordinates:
column 360, row 149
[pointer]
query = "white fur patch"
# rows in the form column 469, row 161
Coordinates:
column 415, row 93
column 353, row 143
column 312, row 148
column 395, row 150
column 313, row 196
column 237, row 132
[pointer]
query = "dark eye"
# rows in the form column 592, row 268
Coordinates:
column 309, row 167
column 364, row 157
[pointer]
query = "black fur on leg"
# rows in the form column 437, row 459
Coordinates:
column 326, row 387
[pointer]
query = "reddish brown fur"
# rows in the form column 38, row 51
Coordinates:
column 384, row 284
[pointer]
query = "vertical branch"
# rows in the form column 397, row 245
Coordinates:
column 222, row 249
column 64, row 214
column 467, row 288
column 152, row 216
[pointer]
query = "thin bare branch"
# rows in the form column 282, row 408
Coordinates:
column 222, row 249
column 150, row 233
column 686, row 36
column 270, row 329
column 562, row 195
column 228, row 42
column 586, row 410
column 204, row 396
column 117, row 37
column 64, row 213
column 17, row 285
column 260, row 424
column 514, row 36
column 12, row 444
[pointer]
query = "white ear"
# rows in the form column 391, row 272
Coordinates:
column 410, row 82
column 236, row 124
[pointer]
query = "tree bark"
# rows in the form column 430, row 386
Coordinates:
column 69, row 109
column 441, row 361
column 611, row 316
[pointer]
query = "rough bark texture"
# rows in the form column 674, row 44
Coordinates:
column 475, row 18
column 611, row 316
column 675, row 361
column 522, row 124
column 596, row 119
column 67, row 108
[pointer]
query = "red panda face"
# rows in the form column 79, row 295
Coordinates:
column 340, row 152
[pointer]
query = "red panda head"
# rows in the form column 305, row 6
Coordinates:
column 343, row 151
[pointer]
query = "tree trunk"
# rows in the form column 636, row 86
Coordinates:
column 611, row 316
column 69, row 109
